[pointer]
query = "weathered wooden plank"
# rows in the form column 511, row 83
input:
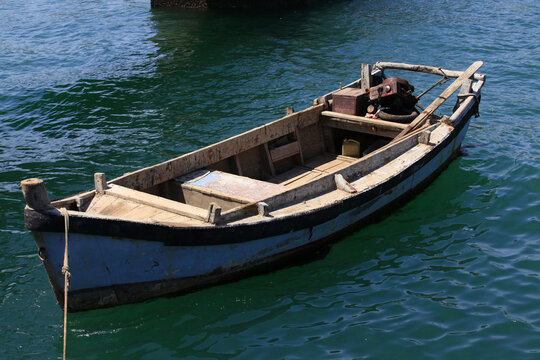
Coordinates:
column 252, row 164
column 240, row 212
column 150, row 176
column 286, row 177
column 142, row 212
column 232, row 187
column 156, row 201
column 304, row 178
column 216, row 193
column 467, row 103
column 285, row 151
column 167, row 218
column 361, row 124
column 99, row 202
column 383, row 124
column 465, row 89
column 269, row 160
column 423, row 68
column 297, row 176
column 356, row 127
column 202, row 197
column 118, row 208
column 299, row 141
column 365, row 80
column 328, row 97
column 100, row 182
column 428, row 111
column 311, row 141
column 331, row 166
column 238, row 165
column 81, row 198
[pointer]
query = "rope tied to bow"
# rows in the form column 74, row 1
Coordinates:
column 67, row 275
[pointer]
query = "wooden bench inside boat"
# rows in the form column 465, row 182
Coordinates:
column 202, row 187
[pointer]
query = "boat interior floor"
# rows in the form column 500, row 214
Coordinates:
column 237, row 190
column 312, row 169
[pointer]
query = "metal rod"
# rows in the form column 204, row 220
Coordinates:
column 442, row 81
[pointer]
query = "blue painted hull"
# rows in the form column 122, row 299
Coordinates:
column 110, row 270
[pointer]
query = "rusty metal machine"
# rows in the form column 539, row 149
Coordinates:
column 393, row 100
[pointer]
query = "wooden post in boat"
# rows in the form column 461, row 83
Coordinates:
column 289, row 110
column 269, row 158
column 300, row 153
column 35, row 194
column 424, row 116
column 100, row 182
column 214, row 213
column 365, row 81
column 464, row 93
column 262, row 208
column 238, row 165
column 424, row 137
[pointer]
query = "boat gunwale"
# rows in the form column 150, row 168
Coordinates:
column 52, row 220
column 319, row 102
column 319, row 105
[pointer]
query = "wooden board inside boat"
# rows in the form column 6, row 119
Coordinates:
column 312, row 169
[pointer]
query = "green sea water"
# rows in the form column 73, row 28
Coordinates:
column 111, row 86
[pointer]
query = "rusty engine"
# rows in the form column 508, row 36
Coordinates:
column 393, row 100
column 390, row 100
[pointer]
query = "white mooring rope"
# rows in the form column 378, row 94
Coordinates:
column 67, row 275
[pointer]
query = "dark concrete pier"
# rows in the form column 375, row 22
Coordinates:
column 230, row 4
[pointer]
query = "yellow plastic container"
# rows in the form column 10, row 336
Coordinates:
column 350, row 148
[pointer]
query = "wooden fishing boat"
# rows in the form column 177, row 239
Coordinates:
column 251, row 202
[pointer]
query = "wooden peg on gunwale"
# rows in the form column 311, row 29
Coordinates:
column 366, row 80
column 262, row 208
column 100, row 183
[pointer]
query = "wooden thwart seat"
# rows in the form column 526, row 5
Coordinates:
column 240, row 188
column 361, row 124
column 285, row 151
